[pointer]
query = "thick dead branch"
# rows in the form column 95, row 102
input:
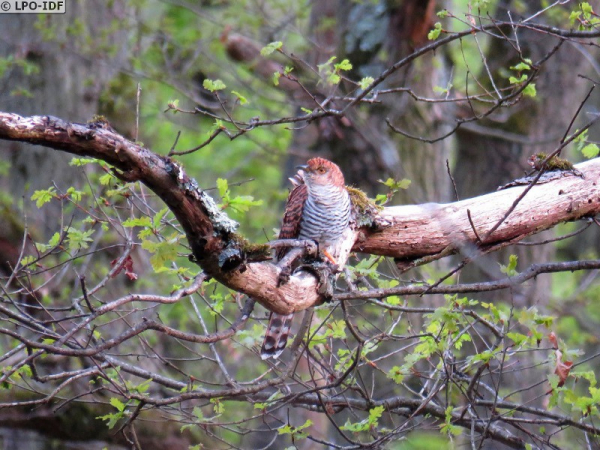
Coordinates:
column 404, row 232
column 415, row 231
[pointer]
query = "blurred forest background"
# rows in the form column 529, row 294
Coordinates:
column 150, row 69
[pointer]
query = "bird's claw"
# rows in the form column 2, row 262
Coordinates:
column 284, row 276
column 326, row 273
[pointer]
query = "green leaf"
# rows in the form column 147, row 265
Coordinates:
column 164, row 253
column 75, row 194
column 117, row 404
column 451, row 429
column 336, row 329
column 270, row 48
column 77, row 239
column 26, row 260
column 276, row 77
column 514, row 80
column 296, row 432
column 82, row 161
column 393, row 300
column 333, row 78
column 217, row 306
column 553, row 379
column 54, row 240
column 138, row 222
column 574, row 16
column 143, row 386
column 485, row 357
column 219, row 406
column 435, row 33
column 158, row 217
column 112, row 419
column 217, row 125
column 442, row 14
column 381, row 198
column 523, row 65
column 586, row 8
column 344, row 65
column 367, row 267
column 222, row 186
column 243, row 100
column 375, row 414
column 287, row 429
column 173, row 104
column 517, row 338
column 213, row 85
column 397, row 374
column 395, row 185
column 530, row 90
column 24, row 372
column 354, row 427
column 243, row 203
column 461, row 340
column 510, row 268
column 43, row 196
column 590, row 151
column 371, row 422
column 274, row 396
column 590, row 376
column 366, row 82
column 197, row 412
column 330, row 73
column 106, row 179
column 326, row 65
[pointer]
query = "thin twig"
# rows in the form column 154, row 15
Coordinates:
column 473, row 226
column 84, row 291
column 174, row 143
column 452, row 180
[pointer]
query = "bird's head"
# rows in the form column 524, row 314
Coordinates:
column 320, row 171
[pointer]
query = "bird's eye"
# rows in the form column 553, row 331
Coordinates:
column 321, row 169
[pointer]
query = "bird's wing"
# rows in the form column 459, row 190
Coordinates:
column 278, row 329
column 290, row 227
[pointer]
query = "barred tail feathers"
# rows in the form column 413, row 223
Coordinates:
column 276, row 336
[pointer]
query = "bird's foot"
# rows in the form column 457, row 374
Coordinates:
column 284, row 276
column 287, row 264
column 329, row 257
column 326, row 274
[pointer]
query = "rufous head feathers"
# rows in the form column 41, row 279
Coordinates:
column 320, row 171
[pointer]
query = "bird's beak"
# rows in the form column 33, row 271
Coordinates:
column 302, row 167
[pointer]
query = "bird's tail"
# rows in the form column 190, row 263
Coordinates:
column 276, row 336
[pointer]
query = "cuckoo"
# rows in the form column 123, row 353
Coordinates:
column 317, row 209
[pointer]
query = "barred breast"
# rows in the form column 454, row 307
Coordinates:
column 326, row 214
